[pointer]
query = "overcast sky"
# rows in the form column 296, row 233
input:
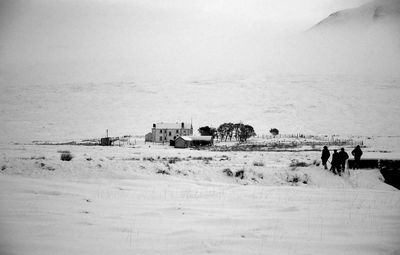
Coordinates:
column 71, row 41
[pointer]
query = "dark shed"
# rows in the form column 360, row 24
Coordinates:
column 106, row 141
column 182, row 142
column 187, row 141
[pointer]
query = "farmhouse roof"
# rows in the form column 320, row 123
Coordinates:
column 173, row 125
column 196, row 138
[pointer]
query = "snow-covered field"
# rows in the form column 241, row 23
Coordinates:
column 69, row 70
column 116, row 200
column 314, row 104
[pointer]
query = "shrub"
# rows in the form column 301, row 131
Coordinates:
column 316, row 162
column 134, row 159
column 151, row 159
column 66, row 156
column 297, row 178
column 43, row 166
column 38, row 158
column 63, row 151
column 206, row 130
column 181, row 172
column 173, row 160
column 161, row 171
column 258, row 163
column 240, row 174
column 228, row 172
column 203, row 158
column 49, row 168
column 168, row 166
column 224, row 157
column 296, row 163
column 274, row 131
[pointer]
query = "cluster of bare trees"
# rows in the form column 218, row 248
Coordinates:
column 227, row 131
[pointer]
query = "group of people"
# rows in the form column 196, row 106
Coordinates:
column 338, row 162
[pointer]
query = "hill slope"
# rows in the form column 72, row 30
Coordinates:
column 363, row 40
column 377, row 13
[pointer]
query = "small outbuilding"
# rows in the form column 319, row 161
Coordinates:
column 106, row 141
column 189, row 141
column 148, row 137
column 182, row 142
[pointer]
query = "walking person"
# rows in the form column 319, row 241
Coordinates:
column 343, row 156
column 325, row 156
column 357, row 153
column 335, row 162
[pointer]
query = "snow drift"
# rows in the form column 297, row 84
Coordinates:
column 115, row 200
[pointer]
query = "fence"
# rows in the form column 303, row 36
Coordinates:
column 312, row 140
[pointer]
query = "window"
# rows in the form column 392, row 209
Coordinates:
column 177, row 131
column 160, row 138
column 169, row 133
column 160, row 131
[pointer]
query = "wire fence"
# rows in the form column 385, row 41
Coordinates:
column 311, row 140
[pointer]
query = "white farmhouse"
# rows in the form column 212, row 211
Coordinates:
column 166, row 132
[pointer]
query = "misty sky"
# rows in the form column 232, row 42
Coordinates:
column 62, row 41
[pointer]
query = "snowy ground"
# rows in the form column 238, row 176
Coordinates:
column 61, row 80
column 111, row 200
column 314, row 104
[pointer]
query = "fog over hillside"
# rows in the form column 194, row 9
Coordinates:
column 368, row 16
column 84, row 41
column 74, row 68
column 364, row 40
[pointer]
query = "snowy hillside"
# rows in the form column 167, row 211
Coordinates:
column 316, row 104
column 365, row 39
column 375, row 13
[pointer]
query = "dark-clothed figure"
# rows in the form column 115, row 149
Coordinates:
column 335, row 162
column 357, row 153
column 325, row 156
column 343, row 156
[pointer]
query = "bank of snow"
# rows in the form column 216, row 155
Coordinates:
column 89, row 164
column 111, row 200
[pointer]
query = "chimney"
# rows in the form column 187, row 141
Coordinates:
column 182, row 125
